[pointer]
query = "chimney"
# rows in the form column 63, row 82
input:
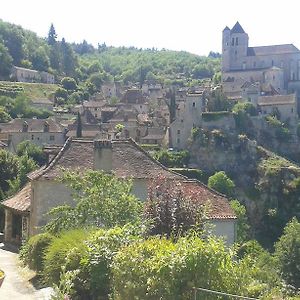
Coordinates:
column 103, row 155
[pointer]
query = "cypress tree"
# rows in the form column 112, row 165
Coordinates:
column 79, row 126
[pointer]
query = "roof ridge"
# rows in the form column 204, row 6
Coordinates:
column 130, row 140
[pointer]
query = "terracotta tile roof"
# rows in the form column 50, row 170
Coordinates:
column 21, row 200
column 275, row 49
column 217, row 204
column 34, row 125
column 128, row 161
column 276, row 100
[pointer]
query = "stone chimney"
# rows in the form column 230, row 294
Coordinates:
column 103, row 155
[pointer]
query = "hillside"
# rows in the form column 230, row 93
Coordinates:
column 84, row 62
column 32, row 91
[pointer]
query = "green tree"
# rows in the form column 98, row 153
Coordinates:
column 79, row 126
column 40, row 59
column 4, row 116
column 68, row 58
column 32, row 151
column 69, row 84
column 52, row 36
column 242, row 221
column 287, row 253
column 99, row 199
column 221, row 183
column 5, row 61
column 9, row 167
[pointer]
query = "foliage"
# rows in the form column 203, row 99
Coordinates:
column 64, row 289
column 287, row 253
column 119, row 127
column 242, row 221
column 99, row 199
column 244, row 107
column 221, row 183
column 214, row 116
column 33, row 251
column 282, row 132
column 242, row 112
column 4, row 116
column 172, row 210
column 79, row 126
column 191, row 173
column 217, row 101
column 69, row 84
column 33, row 151
column 94, row 264
column 5, row 61
column 56, row 252
column 9, row 166
column 173, row 159
column 159, row 268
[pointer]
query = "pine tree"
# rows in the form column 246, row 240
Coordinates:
column 52, row 36
column 79, row 126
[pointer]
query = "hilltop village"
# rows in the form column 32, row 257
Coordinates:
column 186, row 144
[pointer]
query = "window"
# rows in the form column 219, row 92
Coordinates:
column 178, row 131
column 235, row 52
column 52, row 138
column 236, row 41
column 32, row 137
column 272, row 62
column 194, row 104
column 181, row 120
column 292, row 110
column 178, row 140
column 232, row 42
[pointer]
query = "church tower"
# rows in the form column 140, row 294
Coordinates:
column 234, row 47
column 226, row 49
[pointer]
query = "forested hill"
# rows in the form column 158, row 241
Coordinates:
column 24, row 48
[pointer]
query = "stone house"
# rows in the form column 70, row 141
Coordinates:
column 94, row 107
column 26, row 211
column 188, row 116
column 28, row 75
column 285, row 106
column 38, row 131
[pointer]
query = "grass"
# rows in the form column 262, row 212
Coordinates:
column 31, row 90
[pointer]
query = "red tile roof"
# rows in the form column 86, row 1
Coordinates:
column 20, row 201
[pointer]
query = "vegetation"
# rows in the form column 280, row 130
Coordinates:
column 173, row 159
column 99, row 200
column 32, row 151
column 221, row 183
column 287, row 253
column 214, row 116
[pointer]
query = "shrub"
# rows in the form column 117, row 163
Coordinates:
column 221, row 183
column 214, row 116
column 160, row 269
column 56, row 253
column 173, row 158
column 191, row 173
column 33, row 251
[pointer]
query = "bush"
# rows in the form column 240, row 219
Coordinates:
column 33, row 251
column 160, row 269
column 214, row 116
column 56, row 253
column 173, row 159
column 221, row 183
column 191, row 173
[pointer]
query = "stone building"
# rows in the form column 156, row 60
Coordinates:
column 28, row 75
column 188, row 116
column 38, row 131
column 277, row 65
column 26, row 211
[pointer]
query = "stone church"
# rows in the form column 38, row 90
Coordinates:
column 264, row 70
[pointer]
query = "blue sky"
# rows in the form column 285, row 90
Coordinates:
column 190, row 25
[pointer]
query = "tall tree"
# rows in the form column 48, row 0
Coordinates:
column 68, row 58
column 5, row 61
column 79, row 126
column 52, row 36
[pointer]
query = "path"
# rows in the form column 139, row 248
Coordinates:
column 14, row 287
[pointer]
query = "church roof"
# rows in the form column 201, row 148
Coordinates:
column 237, row 28
column 226, row 28
column 275, row 49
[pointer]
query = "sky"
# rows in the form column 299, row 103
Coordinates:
column 190, row 25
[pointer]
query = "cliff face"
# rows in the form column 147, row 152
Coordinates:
column 267, row 184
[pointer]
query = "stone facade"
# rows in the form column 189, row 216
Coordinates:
column 278, row 64
column 28, row 75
